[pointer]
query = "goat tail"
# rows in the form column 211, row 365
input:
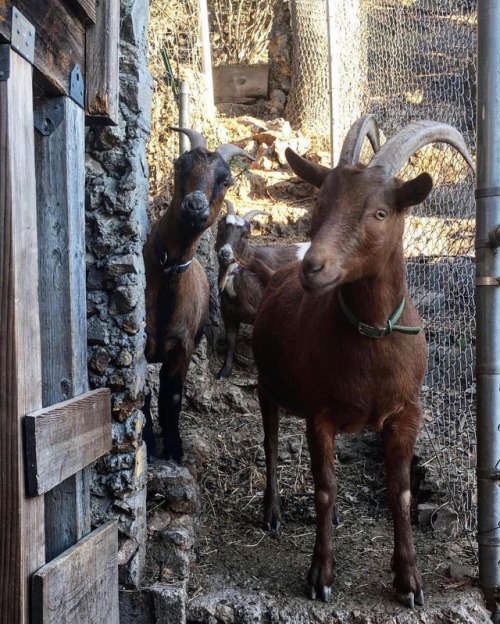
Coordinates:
column 260, row 269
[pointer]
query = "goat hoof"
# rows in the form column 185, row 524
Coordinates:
column 326, row 592
column 419, row 598
column 223, row 374
column 407, row 600
column 335, row 519
column 274, row 528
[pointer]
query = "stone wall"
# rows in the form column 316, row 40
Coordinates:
column 116, row 227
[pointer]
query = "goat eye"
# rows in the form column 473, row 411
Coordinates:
column 380, row 214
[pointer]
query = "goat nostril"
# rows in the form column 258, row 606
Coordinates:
column 311, row 267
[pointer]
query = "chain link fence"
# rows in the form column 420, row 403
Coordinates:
column 405, row 60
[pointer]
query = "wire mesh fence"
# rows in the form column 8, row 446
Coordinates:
column 405, row 60
column 402, row 60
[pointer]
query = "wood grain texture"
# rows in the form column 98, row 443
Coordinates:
column 85, row 9
column 64, row 438
column 21, row 519
column 239, row 83
column 102, row 77
column 59, row 40
column 87, row 576
column 61, row 231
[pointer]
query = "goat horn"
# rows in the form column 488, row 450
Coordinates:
column 362, row 128
column 396, row 151
column 229, row 206
column 253, row 213
column 228, row 151
column 311, row 172
column 196, row 139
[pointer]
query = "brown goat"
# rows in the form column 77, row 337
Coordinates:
column 240, row 291
column 337, row 340
column 177, row 289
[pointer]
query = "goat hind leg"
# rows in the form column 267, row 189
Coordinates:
column 148, row 433
column 169, row 408
column 270, row 421
column 399, row 442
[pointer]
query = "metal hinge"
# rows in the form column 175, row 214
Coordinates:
column 76, row 85
column 22, row 36
column 48, row 116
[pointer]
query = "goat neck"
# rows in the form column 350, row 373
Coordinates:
column 172, row 243
column 372, row 300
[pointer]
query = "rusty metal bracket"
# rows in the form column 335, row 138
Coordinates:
column 22, row 36
column 4, row 62
column 76, row 86
column 48, row 116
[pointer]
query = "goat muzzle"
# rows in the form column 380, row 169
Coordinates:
column 196, row 209
column 226, row 255
column 316, row 277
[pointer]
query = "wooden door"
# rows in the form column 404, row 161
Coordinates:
column 53, row 568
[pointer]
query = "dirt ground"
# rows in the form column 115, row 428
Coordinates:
column 244, row 574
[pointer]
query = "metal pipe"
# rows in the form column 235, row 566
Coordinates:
column 333, row 78
column 488, row 299
column 183, row 103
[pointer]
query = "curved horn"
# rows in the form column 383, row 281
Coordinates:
column 396, row 151
column 253, row 213
column 309, row 171
column 362, row 128
column 228, row 151
column 196, row 139
column 229, row 207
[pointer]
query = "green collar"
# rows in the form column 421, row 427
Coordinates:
column 378, row 332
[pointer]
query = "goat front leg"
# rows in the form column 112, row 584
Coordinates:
column 232, row 328
column 270, row 421
column 321, row 441
column 169, row 408
column 399, row 442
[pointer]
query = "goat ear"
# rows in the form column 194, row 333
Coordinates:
column 305, row 169
column 414, row 191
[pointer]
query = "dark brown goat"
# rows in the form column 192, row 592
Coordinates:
column 177, row 289
column 240, row 290
column 337, row 340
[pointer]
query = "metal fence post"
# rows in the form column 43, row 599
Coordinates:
column 488, row 298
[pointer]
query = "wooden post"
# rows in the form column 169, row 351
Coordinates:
column 61, row 232
column 102, row 85
column 22, row 546
column 206, row 56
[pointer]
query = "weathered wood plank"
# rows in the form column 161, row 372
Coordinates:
column 102, row 77
column 85, row 9
column 61, row 232
column 87, row 576
column 21, row 519
column 59, row 41
column 240, row 83
column 64, row 438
